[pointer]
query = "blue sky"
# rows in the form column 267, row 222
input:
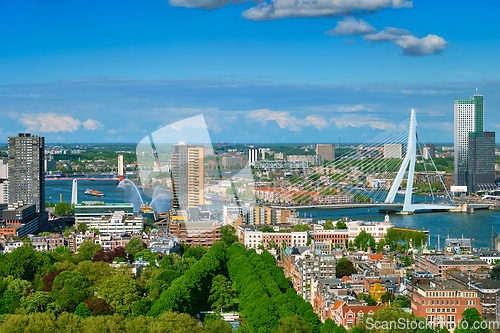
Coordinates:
column 275, row 71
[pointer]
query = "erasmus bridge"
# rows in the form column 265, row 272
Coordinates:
column 374, row 172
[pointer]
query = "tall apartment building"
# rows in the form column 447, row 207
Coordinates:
column 4, row 183
column 474, row 148
column 188, row 176
column 26, row 170
column 393, row 150
column 429, row 151
column 326, row 151
column 253, row 155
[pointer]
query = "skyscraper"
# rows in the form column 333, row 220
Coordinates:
column 188, row 175
column 474, row 148
column 26, row 170
column 327, row 151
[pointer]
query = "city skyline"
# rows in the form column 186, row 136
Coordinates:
column 108, row 73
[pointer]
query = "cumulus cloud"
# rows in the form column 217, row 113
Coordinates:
column 279, row 9
column 351, row 27
column 411, row 45
column 359, row 107
column 92, row 124
column 49, row 123
column 53, row 123
column 360, row 121
column 286, row 121
column 207, row 4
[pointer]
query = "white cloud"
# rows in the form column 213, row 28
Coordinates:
column 359, row 107
column 92, row 124
column 286, row 121
column 314, row 121
column 49, row 123
column 360, row 121
column 351, row 27
column 279, row 9
column 112, row 131
column 206, row 4
column 413, row 46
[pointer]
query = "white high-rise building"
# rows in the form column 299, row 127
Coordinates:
column 4, row 170
column 253, row 154
column 468, row 118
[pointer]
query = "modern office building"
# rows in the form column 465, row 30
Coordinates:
column 326, row 151
column 393, row 150
column 474, row 148
column 22, row 218
column 26, row 170
column 481, row 162
column 187, row 176
column 112, row 218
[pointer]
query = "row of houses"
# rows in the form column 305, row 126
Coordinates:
column 253, row 237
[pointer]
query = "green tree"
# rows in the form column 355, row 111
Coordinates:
column 216, row 326
column 406, row 261
column 195, row 252
column 147, row 255
column 20, row 286
column 363, row 240
column 63, row 209
column 88, row 248
column 222, row 293
column 121, row 291
column 9, row 302
column 387, row 297
column 403, row 301
column 229, row 235
column 495, row 273
column 69, row 289
column 82, row 227
column 267, row 229
column 134, row 245
column 369, row 300
column 380, row 245
column 294, row 324
column 471, row 318
column 328, row 225
column 83, row 310
column 24, row 262
column 36, row 302
column 345, row 267
column 301, row 227
column 388, row 314
column 340, row 225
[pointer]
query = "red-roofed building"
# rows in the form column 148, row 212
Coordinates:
column 349, row 315
column 375, row 257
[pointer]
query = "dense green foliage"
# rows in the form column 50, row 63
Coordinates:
column 394, row 236
column 265, row 295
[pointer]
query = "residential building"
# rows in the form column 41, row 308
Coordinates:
column 112, row 241
column 187, row 176
column 458, row 245
column 489, row 256
column 487, row 289
column 442, row 302
column 336, row 236
column 203, row 233
column 229, row 161
column 435, row 177
column 4, row 191
column 252, row 237
column 429, row 151
column 26, row 170
column 253, row 155
column 393, row 150
column 165, row 245
column 21, row 217
column 377, row 229
column 326, row 151
column 437, row 264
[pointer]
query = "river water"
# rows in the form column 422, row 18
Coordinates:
column 477, row 226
